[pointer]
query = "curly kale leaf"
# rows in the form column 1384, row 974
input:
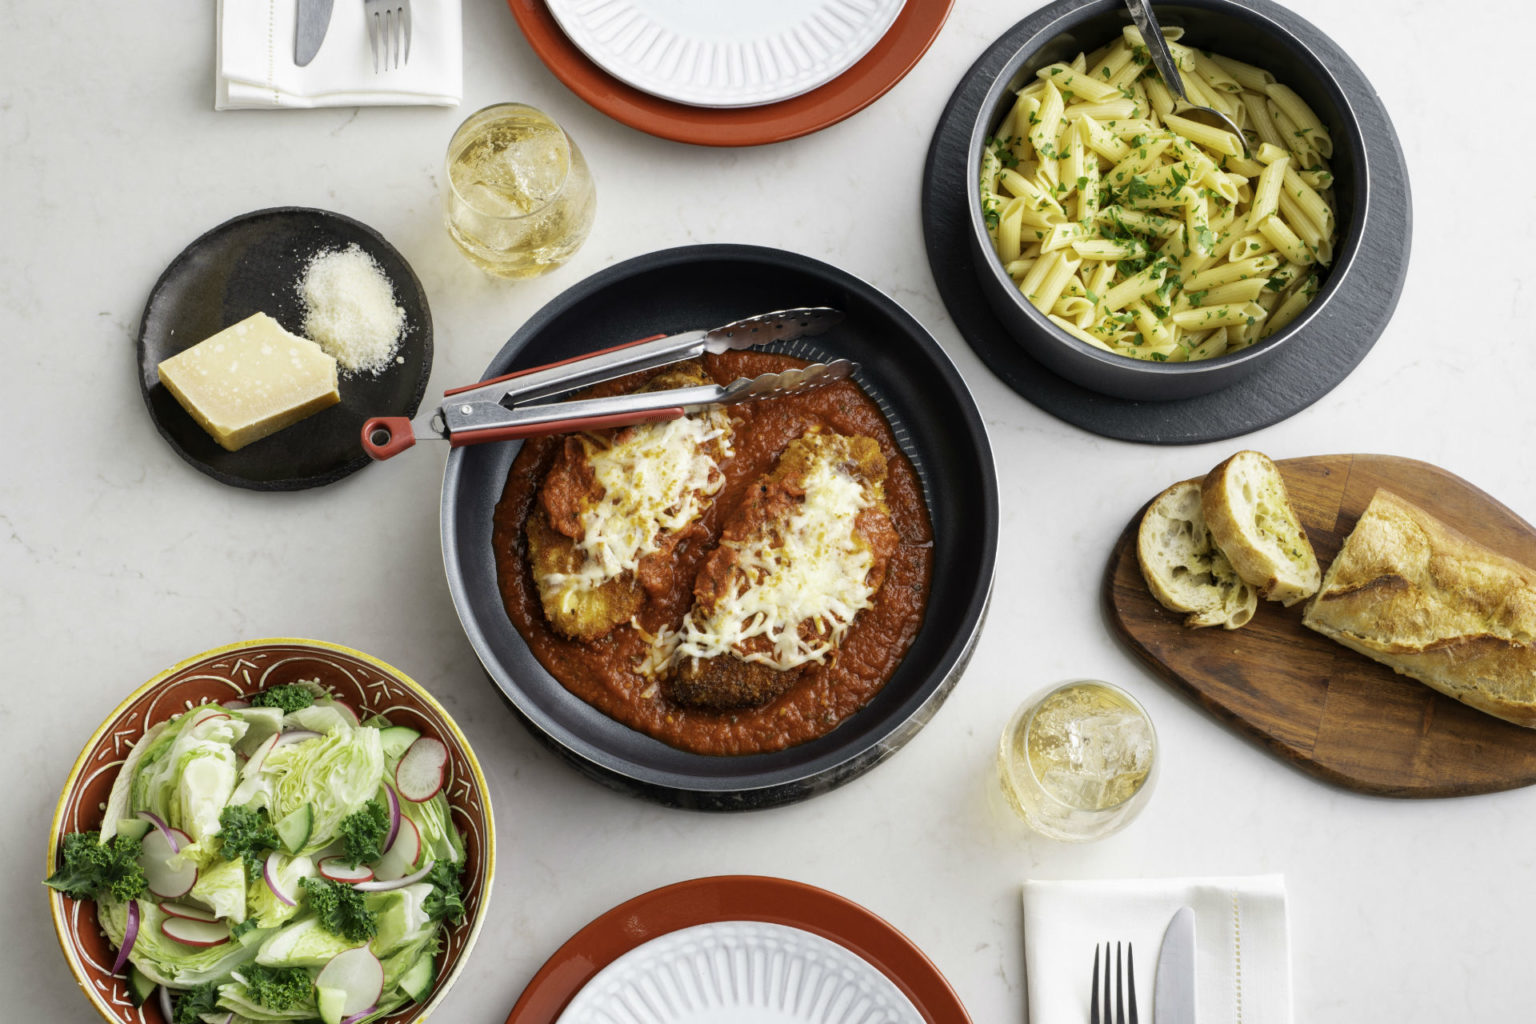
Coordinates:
column 196, row 1002
column 288, row 697
column 362, row 833
column 277, row 988
column 341, row 909
column 446, row 901
column 91, row 868
column 247, row 835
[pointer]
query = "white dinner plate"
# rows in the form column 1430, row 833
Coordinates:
column 740, row 972
column 725, row 53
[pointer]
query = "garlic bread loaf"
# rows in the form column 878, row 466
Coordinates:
column 1416, row 595
column 1250, row 516
column 1184, row 568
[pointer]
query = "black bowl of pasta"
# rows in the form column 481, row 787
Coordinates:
column 1131, row 251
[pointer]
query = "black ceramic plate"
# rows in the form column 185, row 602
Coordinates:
column 933, row 417
column 253, row 264
column 1307, row 368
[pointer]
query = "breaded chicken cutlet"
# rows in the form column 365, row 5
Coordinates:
column 807, row 550
column 614, row 506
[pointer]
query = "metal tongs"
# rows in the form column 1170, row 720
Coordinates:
column 496, row 410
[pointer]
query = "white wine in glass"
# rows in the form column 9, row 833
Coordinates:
column 1076, row 762
column 520, row 199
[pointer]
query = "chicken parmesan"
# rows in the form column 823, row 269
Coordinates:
column 614, row 506
column 769, row 619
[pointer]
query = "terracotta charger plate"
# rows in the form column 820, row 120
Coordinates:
column 875, row 74
column 736, row 898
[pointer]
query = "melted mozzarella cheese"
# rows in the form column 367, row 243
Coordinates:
column 654, row 481
column 811, row 569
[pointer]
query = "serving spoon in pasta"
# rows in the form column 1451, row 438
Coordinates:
column 1168, row 68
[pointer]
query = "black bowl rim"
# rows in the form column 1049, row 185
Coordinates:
column 770, row 787
column 1063, row 15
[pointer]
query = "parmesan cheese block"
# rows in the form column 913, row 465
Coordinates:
column 251, row 380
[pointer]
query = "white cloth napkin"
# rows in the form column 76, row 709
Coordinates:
column 255, row 69
column 1242, row 953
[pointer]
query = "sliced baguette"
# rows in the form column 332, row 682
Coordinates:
column 1184, row 569
column 1250, row 516
column 1418, row 596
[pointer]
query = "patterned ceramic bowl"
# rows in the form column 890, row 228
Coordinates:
column 228, row 673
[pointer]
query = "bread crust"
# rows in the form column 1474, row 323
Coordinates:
column 1416, row 595
column 1269, row 550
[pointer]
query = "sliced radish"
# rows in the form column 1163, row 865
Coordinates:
column 269, row 873
column 347, row 709
column 165, row 830
column 187, row 911
column 360, row 1016
column 169, row 876
column 358, row 975
column 421, row 772
column 130, row 936
column 195, row 933
column 338, row 870
column 401, row 855
column 236, row 705
column 395, row 883
column 394, row 816
column 296, row 736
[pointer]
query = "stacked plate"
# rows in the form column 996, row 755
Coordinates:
column 730, row 74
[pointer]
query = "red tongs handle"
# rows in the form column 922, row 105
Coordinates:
column 386, row 436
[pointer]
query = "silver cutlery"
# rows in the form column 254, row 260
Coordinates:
column 1119, row 982
column 389, row 32
column 1162, row 57
column 314, row 17
column 1173, row 993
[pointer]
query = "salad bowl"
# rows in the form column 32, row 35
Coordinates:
column 230, row 675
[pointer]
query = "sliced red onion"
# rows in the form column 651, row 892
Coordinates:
column 394, row 816
column 361, row 1016
column 394, row 883
column 130, row 935
column 159, row 823
column 231, row 1018
column 297, row 736
column 269, row 873
column 166, row 1010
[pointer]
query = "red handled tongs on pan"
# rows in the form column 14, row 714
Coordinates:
column 508, row 407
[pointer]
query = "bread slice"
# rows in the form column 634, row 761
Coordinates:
column 1416, row 595
column 1184, row 569
column 1250, row 515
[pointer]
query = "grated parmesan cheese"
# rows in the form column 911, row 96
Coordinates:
column 812, row 570
column 350, row 309
column 654, row 481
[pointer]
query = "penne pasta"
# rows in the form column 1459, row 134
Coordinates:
column 1146, row 233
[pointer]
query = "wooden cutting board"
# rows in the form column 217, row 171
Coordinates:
column 1316, row 704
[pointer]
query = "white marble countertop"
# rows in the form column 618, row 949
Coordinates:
column 117, row 559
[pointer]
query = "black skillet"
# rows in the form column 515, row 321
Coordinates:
column 933, row 417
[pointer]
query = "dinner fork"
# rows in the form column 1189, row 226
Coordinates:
column 1123, row 986
column 389, row 31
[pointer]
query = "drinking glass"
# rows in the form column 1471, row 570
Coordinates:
column 519, row 198
column 1077, row 760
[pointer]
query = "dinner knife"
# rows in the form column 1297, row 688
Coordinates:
column 314, row 19
column 1173, row 992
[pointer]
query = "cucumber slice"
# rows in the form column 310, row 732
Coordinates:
column 140, row 987
column 330, row 1002
column 295, row 828
column 134, row 828
column 396, row 739
column 417, row 980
